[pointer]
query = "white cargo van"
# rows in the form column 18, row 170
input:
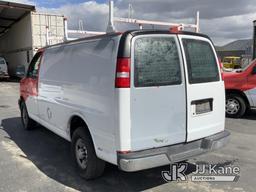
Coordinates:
column 3, row 68
column 138, row 99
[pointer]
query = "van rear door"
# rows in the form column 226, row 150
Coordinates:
column 205, row 89
column 158, row 92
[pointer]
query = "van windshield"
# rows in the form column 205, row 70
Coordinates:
column 156, row 62
column 201, row 61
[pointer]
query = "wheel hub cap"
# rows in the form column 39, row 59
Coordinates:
column 81, row 153
column 232, row 106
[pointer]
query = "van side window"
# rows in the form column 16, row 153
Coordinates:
column 201, row 61
column 34, row 66
column 156, row 62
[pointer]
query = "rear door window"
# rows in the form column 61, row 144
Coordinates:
column 201, row 61
column 156, row 62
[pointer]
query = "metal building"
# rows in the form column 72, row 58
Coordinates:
column 23, row 32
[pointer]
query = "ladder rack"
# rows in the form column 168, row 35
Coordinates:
column 112, row 20
column 159, row 23
column 87, row 32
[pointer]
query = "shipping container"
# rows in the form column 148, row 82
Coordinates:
column 24, row 32
column 40, row 22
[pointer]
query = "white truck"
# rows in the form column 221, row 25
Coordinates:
column 3, row 69
column 139, row 99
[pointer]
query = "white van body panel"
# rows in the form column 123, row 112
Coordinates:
column 32, row 102
column 123, row 142
column 158, row 113
column 200, row 126
column 67, row 88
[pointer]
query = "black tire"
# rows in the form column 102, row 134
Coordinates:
column 235, row 106
column 27, row 122
column 88, row 165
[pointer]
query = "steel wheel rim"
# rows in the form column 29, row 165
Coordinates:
column 232, row 106
column 81, row 153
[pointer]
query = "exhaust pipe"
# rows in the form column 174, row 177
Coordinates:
column 254, row 40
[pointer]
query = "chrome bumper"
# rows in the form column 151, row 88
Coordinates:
column 156, row 157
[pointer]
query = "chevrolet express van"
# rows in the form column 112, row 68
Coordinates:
column 240, row 90
column 139, row 99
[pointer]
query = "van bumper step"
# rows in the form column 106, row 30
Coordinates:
column 156, row 157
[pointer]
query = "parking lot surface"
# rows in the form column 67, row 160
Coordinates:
column 39, row 160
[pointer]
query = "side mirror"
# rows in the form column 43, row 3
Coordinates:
column 254, row 70
column 21, row 71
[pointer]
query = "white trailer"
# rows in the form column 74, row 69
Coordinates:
column 23, row 32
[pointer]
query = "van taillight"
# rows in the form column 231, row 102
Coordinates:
column 123, row 73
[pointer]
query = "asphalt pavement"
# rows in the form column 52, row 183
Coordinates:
column 39, row 160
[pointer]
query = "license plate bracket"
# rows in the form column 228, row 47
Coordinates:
column 202, row 106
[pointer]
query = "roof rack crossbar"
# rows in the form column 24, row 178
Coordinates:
column 87, row 32
column 147, row 22
column 112, row 20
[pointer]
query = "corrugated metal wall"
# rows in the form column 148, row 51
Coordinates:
column 56, row 29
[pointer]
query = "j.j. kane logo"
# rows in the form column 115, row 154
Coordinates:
column 203, row 172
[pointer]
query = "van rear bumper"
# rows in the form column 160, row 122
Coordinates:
column 156, row 157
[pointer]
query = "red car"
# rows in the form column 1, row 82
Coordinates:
column 240, row 90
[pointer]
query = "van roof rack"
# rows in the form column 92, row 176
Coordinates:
column 112, row 20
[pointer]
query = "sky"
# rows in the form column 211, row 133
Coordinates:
column 223, row 20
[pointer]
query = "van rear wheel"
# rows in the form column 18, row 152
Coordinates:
column 27, row 122
column 235, row 106
column 84, row 157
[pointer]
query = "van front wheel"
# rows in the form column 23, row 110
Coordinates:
column 235, row 106
column 84, row 156
column 27, row 122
